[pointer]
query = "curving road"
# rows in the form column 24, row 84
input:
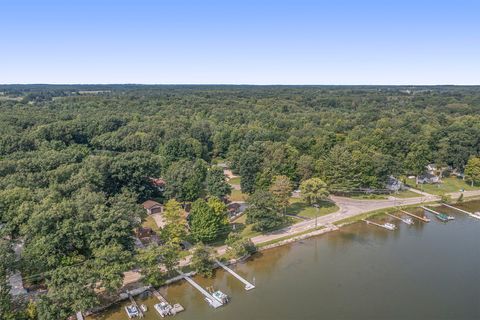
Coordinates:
column 347, row 208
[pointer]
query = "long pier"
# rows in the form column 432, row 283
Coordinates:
column 398, row 218
column 461, row 210
column 415, row 216
column 211, row 300
column 376, row 224
column 248, row 285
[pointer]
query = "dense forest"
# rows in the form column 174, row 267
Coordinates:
column 76, row 162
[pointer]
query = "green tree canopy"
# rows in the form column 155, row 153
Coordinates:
column 263, row 211
column 217, row 186
column 314, row 191
column 208, row 219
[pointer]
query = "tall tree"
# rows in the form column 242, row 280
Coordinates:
column 208, row 220
column 217, row 186
column 282, row 190
column 472, row 170
column 250, row 165
column 202, row 261
column 148, row 259
column 7, row 262
column 314, row 191
column 263, row 211
column 175, row 230
column 185, row 180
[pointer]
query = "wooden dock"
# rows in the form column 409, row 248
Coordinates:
column 376, row 224
column 430, row 210
column 210, row 299
column 132, row 300
column 248, row 285
column 424, row 219
column 398, row 218
column 461, row 210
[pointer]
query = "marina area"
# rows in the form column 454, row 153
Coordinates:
column 377, row 271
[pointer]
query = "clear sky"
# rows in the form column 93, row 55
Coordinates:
column 240, row 42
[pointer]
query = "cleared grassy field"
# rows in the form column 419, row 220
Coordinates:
column 450, row 184
column 406, row 194
column 302, row 209
column 238, row 195
column 235, row 180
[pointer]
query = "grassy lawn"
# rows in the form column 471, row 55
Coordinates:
column 235, row 180
column 369, row 196
column 237, row 195
column 300, row 208
column 450, row 184
column 247, row 232
column 406, row 194
column 150, row 223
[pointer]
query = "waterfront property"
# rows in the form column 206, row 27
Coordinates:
column 321, row 267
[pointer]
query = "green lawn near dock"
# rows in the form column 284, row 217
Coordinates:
column 450, row 184
column 300, row 208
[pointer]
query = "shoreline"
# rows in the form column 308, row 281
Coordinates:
column 269, row 245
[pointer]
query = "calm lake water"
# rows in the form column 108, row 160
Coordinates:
column 424, row 271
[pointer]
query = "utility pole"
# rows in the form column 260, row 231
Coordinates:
column 316, row 214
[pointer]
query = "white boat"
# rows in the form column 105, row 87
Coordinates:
column 220, row 296
column 390, row 226
column 163, row 309
column 131, row 311
column 408, row 220
column 144, row 308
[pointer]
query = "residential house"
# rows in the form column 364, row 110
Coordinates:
column 152, row 207
column 393, row 184
column 428, row 178
column 158, row 183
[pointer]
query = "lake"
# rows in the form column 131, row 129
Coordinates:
column 424, row 271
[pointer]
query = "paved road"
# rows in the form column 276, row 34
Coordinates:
column 473, row 193
column 347, row 208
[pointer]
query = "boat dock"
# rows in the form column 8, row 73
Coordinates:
column 176, row 308
column 409, row 222
column 248, row 285
column 461, row 210
column 430, row 210
column 211, row 300
column 132, row 300
column 376, row 224
column 415, row 216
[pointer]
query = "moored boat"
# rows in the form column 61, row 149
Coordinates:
column 131, row 311
column 163, row 309
column 220, row 296
column 444, row 217
column 390, row 226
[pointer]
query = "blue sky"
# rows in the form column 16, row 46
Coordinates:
column 240, row 42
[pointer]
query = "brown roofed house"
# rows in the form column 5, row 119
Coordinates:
column 152, row 207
